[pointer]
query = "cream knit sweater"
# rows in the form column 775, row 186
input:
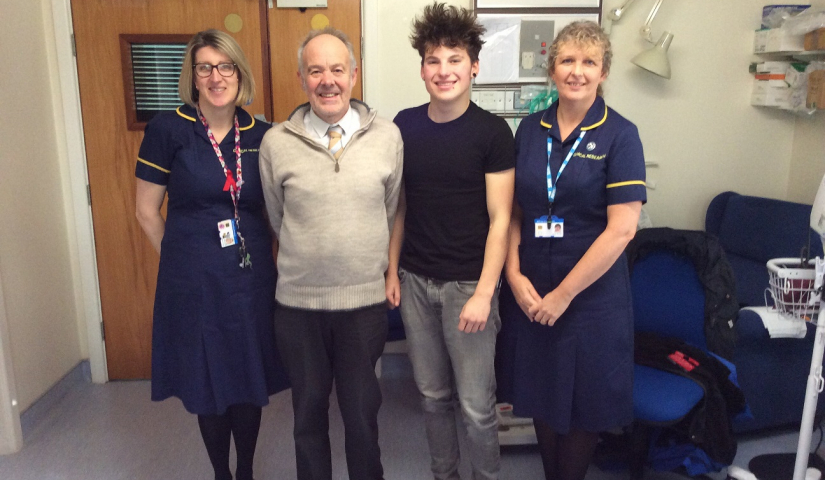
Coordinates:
column 333, row 228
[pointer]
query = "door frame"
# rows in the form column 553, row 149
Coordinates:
column 79, row 210
column 11, row 436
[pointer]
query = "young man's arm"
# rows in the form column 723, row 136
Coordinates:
column 473, row 317
column 392, row 283
column 523, row 289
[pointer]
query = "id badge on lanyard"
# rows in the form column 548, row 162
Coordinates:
column 229, row 230
column 551, row 226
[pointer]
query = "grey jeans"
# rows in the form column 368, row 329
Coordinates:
column 452, row 367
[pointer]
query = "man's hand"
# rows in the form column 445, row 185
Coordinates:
column 392, row 288
column 473, row 317
column 524, row 292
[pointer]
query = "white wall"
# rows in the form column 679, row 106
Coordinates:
column 392, row 78
column 35, row 259
column 808, row 157
column 699, row 126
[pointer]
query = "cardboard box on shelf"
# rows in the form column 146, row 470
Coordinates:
column 765, row 95
column 816, row 89
column 795, row 75
column 772, row 72
column 760, row 41
column 815, row 40
column 781, row 41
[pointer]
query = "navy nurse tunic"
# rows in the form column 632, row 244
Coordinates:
column 213, row 343
column 578, row 373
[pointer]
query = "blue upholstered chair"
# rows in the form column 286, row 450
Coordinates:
column 667, row 300
column 772, row 371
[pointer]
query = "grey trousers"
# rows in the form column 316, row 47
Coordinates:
column 452, row 368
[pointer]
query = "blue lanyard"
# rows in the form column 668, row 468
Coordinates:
column 551, row 185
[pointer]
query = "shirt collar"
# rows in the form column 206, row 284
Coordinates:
column 350, row 122
column 595, row 116
column 245, row 120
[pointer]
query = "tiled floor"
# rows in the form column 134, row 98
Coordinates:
column 114, row 432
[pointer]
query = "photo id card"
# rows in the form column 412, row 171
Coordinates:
column 227, row 234
column 554, row 228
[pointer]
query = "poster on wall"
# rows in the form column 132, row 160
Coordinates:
column 515, row 46
column 537, row 3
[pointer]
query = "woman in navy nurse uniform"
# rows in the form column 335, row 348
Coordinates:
column 213, row 344
column 570, row 309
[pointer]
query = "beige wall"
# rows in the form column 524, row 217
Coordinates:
column 698, row 126
column 35, row 258
column 11, row 435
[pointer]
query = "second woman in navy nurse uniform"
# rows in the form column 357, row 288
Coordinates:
column 213, row 344
column 579, row 189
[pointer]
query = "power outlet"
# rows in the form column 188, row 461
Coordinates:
column 528, row 60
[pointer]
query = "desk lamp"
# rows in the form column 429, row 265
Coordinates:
column 654, row 59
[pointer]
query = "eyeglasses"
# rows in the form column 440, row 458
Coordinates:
column 204, row 70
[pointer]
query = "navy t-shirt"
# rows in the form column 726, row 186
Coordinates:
column 446, row 224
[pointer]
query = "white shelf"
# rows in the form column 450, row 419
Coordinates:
column 805, row 55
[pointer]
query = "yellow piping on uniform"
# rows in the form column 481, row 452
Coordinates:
column 547, row 125
column 599, row 122
column 153, row 165
column 192, row 119
column 248, row 126
column 182, row 115
column 623, row 184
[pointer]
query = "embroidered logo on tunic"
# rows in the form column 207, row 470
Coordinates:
column 591, row 146
column 590, row 156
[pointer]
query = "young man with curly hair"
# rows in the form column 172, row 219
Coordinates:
column 452, row 222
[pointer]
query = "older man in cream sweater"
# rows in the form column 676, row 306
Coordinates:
column 331, row 176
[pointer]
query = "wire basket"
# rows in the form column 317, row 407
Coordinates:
column 792, row 287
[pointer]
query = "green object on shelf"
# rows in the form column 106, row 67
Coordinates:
column 539, row 102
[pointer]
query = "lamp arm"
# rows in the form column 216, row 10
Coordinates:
column 645, row 30
column 616, row 13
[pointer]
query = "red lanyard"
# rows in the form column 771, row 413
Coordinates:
column 231, row 185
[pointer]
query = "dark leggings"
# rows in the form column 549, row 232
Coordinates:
column 565, row 457
column 240, row 422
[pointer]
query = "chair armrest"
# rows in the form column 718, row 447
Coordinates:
column 750, row 329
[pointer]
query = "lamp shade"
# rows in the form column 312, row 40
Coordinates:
column 655, row 59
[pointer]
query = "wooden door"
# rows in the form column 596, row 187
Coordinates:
column 127, row 264
column 287, row 27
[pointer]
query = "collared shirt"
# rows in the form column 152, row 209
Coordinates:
column 317, row 128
